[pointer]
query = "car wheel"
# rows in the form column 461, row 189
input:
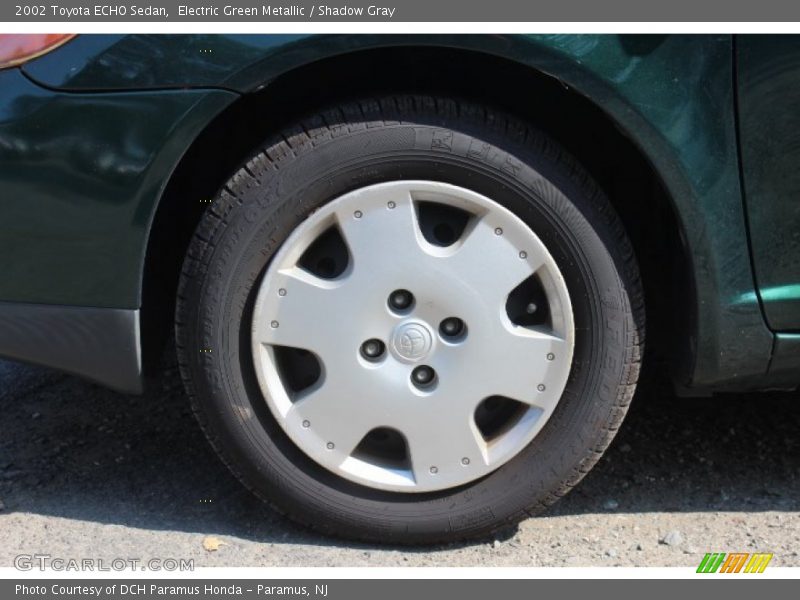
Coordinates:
column 410, row 319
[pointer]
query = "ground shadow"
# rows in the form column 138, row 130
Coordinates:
column 69, row 448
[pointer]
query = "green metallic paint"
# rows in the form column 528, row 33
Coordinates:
column 782, row 293
column 114, row 62
column 80, row 177
column 769, row 117
column 785, row 361
column 672, row 95
column 772, row 295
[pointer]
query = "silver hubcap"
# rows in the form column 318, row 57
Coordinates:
column 388, row 371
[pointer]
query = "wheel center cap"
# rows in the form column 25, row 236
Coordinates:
column 412, row 341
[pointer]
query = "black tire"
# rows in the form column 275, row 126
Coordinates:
column 384, row 139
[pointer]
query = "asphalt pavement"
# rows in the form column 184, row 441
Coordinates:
column 86, row 472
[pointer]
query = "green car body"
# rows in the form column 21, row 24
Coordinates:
column 104, row 144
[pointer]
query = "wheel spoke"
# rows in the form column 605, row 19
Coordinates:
column 529, row 368
column 336, row 413
column 382, row 238
column 303, row 313
column 440, row 447
column 490, row 262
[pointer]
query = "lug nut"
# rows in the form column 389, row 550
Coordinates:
column 423, row 375
column 451, row 327
column 372, row 349
column 400, row 299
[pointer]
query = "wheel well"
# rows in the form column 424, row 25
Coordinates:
column 620, row 168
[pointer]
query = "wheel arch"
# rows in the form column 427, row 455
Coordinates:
column 611, row 151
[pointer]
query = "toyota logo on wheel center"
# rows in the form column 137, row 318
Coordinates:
column 412, row 341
